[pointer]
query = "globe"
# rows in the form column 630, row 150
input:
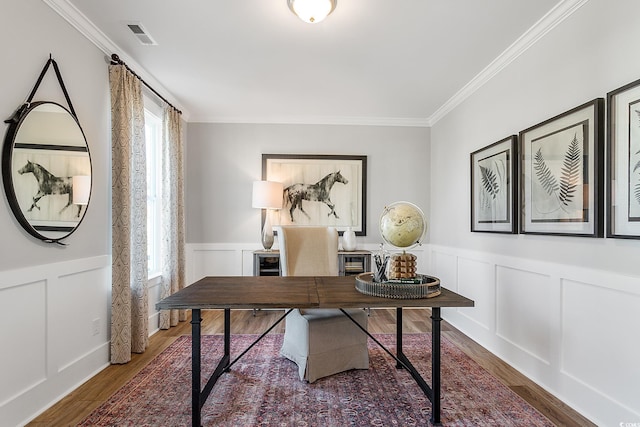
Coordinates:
column 402, row 224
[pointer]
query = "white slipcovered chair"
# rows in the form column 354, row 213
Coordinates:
column 321, row 342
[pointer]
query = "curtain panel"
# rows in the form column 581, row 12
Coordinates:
column 173, row 239
column 129, row 301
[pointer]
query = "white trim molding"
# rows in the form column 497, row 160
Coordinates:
column 553, row 18
column 80, row 22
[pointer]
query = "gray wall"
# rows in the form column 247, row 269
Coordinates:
column 54, row 300
column 589, row 54
column 561, row 310
column 223, row 160
column 31, row 31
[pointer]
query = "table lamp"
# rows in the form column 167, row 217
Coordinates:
column 267, row 195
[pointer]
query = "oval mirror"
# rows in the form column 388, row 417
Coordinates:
column 46, row 170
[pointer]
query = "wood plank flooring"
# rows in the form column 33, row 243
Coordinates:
column 74, row 407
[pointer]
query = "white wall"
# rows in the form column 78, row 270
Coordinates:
column 53, row 297
column 563, row 310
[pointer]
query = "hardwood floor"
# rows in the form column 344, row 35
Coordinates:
column 74, row 407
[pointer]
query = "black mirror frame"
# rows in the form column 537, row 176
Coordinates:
column 7, row 160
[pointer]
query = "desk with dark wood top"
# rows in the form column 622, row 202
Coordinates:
column 249, row 292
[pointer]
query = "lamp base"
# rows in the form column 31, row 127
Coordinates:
column 267, row 240
column 267, row 233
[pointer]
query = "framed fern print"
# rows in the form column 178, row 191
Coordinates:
column 493, row 187
column 562, row 167
column 623, row 133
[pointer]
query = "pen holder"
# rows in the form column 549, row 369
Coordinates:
column 380, row 263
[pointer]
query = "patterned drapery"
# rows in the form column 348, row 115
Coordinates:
column 129, row 301
column 173, row 240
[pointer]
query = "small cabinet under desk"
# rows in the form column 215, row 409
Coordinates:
column 350, row 263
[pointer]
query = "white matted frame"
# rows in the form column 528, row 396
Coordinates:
column 325, row 190
column 623, row 148
column 562, row 166
column 494, row 186
column 53, row 211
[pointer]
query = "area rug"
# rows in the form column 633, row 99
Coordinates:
column 263, row 389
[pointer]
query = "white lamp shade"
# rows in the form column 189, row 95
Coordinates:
column 312, row 11
column 267, row 195
column 81, row 187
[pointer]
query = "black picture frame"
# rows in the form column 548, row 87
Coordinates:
column 623, row 151
column 346, row 191
column 561, row 173
column 494, row 184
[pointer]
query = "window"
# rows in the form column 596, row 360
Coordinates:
column 153, row 135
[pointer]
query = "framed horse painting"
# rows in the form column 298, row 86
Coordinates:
column 321, row 190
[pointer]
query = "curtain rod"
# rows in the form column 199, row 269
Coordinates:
column 115, row 60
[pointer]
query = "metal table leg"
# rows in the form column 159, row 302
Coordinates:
column 198, row 398
column 433, row 392
column 399, row 335
column 435, row 364
column 196, row 321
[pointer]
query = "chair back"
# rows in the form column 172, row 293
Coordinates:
column 308, row 251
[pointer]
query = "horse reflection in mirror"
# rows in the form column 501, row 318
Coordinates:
column 319, row 192
column 49, row 184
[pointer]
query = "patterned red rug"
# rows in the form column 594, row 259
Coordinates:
column 264, row 389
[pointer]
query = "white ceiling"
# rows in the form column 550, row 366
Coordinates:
column 400, row 62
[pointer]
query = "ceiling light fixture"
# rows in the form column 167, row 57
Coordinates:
column 312, row 11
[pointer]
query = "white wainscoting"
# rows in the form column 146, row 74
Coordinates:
column 219, row 259
column 236, row 259
column 54, row 333
column 573, row 330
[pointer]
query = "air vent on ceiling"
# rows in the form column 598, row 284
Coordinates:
column 139, row 31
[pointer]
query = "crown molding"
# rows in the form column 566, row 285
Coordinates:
column 87, row 28
column 554, row 17
column 315, row 120
column 549, row 21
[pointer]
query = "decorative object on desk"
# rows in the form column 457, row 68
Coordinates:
column 320, row 190
column 349, row 240
column 402, row 225
column 380, row 263
column 562, row 170
column 623, row 142
column 420, row 286
column 402, row 266
column 267, row 195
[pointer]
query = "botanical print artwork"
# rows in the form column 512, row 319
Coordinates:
column 558, row 177
column 634, row 163
column 493, row 192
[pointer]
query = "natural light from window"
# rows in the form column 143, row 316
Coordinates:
column 153, row 135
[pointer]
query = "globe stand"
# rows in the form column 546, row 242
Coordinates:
column 403, row 266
